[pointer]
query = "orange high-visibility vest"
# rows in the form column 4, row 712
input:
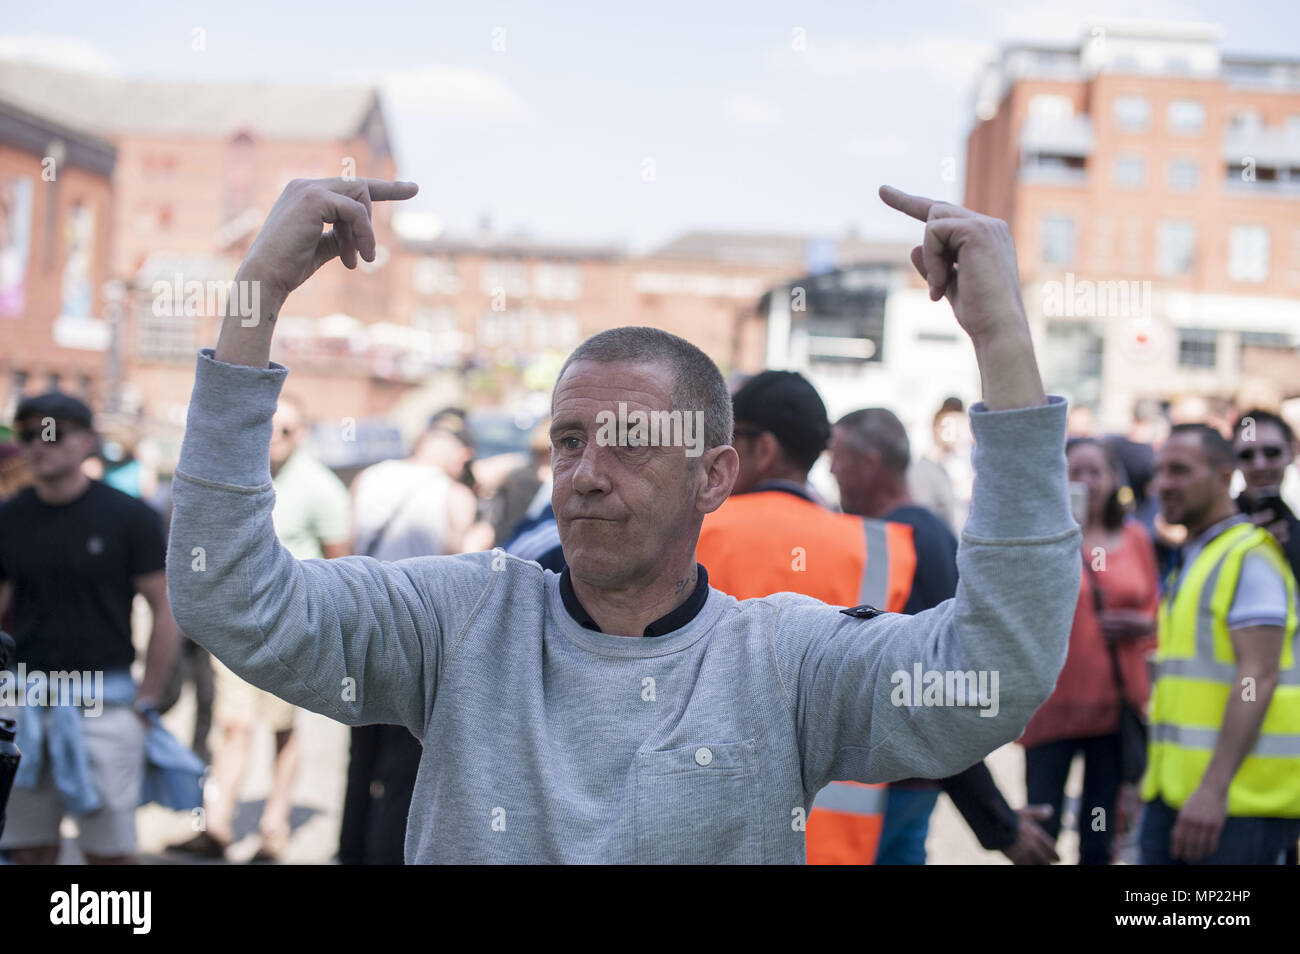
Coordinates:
column 771, row 541
column 775, row 542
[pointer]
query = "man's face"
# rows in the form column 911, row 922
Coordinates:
column 1087, row 465
column 53, row 448
column 447, row 452
column 1187, row 486
column 853, row 471
column 625, row 511
column 1268, row 457
column 286, row 432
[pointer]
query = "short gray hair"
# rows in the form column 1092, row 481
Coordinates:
column 878, row 429
column 697, row 382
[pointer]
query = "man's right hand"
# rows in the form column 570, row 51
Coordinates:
column 291, row 246
column 1032, row 845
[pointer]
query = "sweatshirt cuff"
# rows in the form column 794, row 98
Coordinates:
column 228, row 424
column 1020, row 489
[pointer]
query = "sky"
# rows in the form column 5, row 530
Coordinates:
column 631, row 123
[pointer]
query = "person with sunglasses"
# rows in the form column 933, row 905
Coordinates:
column 1222, row 783
column 1264, row 446
column 1263, row 461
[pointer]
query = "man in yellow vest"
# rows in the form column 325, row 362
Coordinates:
column 774, row 534
column 1223, row 777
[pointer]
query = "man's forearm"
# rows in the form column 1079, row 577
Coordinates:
column 975, row 794
column 246, row 339
column 163, row 640
column 1241, row 724
column 1009, row 371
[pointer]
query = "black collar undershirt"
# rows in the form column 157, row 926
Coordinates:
column 663, row 625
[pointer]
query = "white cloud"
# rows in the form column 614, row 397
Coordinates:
column 948, row 59
column 67, row 52
column 882, row 146
column 1034, row 23
column 450, row 91
column 748, row 111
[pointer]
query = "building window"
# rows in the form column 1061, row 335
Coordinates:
column 1176, row 248
column 52, row 381
column 1197, row 347
column 504, row 275
column 557, row 280
column 435, row 274
column 1186, row 116
column 1265, row 339
column 1244, row 119
column 18, row 382
column 1184, row 173
column 1130, row 172
column 1132, row 113
column 84, row 386
column 1248, row 253
column 1058, row 240
column 164, row 337
column 1050, row 107
column 1072, row 359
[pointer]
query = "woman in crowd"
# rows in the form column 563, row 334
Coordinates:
column 1114, row 627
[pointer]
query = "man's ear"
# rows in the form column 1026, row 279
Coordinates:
column 767, row 451
column 721, row 467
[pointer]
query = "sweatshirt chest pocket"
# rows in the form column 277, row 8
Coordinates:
column 699, row 804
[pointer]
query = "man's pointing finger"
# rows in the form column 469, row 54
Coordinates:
column 916, row 206
column 383, row 190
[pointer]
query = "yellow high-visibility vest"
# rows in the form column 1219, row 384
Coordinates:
column 1196, row 673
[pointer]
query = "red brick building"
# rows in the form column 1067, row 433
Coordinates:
column 198, row 167
column 1152, row 184
column 55, row 238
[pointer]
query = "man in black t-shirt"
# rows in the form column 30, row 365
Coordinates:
column 870, row 454
column 73, row 554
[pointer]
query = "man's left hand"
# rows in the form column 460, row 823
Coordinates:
column 1199, row 824
column 968, row 258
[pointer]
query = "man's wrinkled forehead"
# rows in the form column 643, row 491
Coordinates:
column 590, row 387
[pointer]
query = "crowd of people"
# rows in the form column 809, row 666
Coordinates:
column 1179, row 686
column 1142, row 508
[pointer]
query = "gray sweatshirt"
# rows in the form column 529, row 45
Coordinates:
column 548, row 742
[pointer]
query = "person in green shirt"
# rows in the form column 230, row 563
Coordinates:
column 312, row 521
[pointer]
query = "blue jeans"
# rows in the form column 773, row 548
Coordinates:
column 907, row 822
column 1244, row 841
column 1047, row 767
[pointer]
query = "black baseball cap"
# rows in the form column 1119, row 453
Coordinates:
column 55, row 404
column 784, row 403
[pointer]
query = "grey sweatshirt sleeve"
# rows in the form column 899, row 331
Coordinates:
column 354, row 639
column 896, row 696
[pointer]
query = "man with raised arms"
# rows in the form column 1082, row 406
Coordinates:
column 625, row 711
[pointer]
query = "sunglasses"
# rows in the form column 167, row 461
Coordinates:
column 1270, row 452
